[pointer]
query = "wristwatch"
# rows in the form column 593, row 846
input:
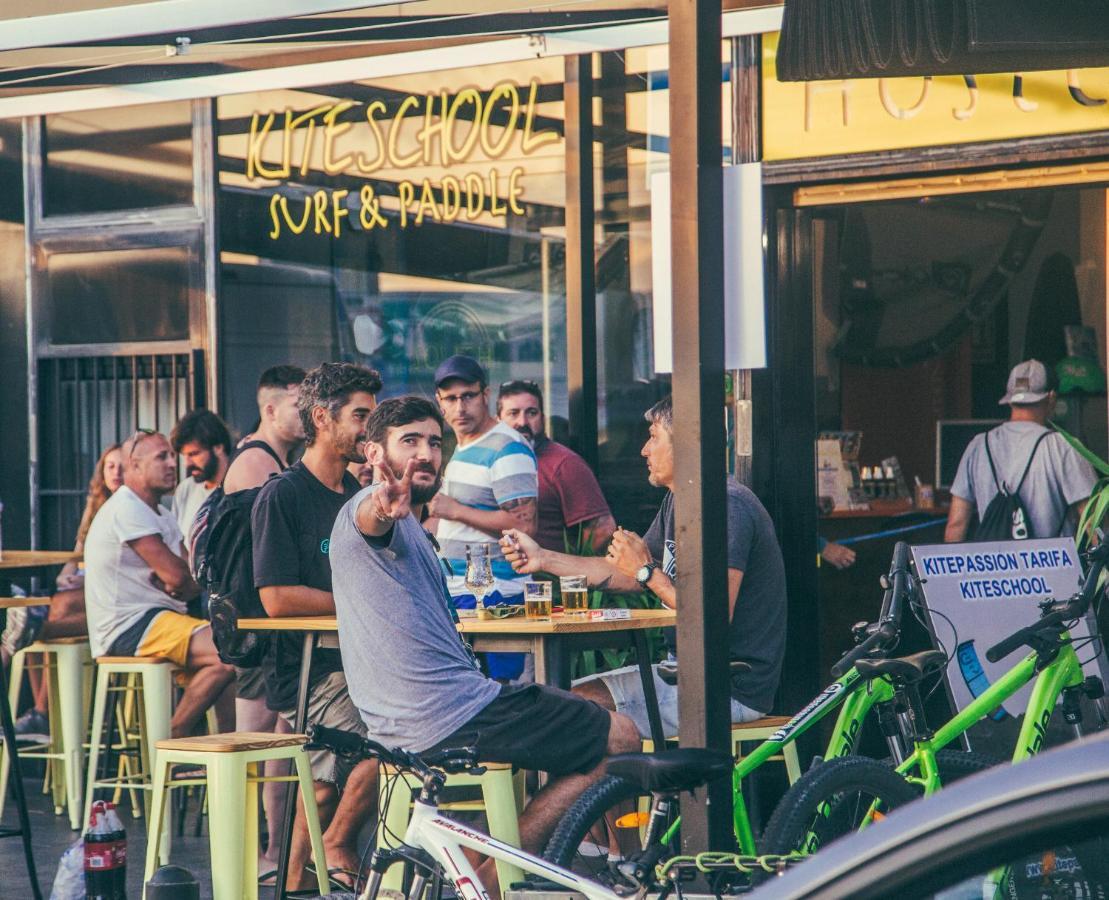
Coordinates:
column 644, row 573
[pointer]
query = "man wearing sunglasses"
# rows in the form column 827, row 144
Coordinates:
column 570, row 499
column 137, row 584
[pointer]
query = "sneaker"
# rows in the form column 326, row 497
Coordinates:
column 23, row 625
column 32, row 723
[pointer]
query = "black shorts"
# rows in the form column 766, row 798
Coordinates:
column 533, row 726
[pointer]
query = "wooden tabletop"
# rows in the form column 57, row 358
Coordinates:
column 35, row 559
column 12, row 602
column 641, row 618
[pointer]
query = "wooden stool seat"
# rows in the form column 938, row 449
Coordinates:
column 233, row 742
column 774, row 722
column 63, row 640
column 133, row 660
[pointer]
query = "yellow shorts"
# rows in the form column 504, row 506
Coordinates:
column 168, row 636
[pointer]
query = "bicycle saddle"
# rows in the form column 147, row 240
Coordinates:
column 672, row 770
column 668, row 670
column 908, row 669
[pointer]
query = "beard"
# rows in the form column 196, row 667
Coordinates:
column 207, row 472
column 421, row 493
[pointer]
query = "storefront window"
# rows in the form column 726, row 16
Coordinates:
column 117, row 296
column 107, row 160
column 395, row 222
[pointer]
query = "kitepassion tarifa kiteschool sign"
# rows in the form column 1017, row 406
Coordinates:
column 445, row 130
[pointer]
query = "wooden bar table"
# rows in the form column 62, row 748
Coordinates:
column 36, row 559
column 552, row 643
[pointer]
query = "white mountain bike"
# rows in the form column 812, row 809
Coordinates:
column 432, row 847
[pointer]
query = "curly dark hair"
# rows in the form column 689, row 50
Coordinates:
column 399, row 411
column 202, row 426
column 330, row 385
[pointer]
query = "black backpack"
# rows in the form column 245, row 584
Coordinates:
column 1006, row 519
column 222, row 553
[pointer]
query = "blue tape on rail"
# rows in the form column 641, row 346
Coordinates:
column 889, row 532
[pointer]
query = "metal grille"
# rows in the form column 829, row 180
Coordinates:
column 88, row 403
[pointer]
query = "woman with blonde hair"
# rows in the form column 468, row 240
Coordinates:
column 66, row 617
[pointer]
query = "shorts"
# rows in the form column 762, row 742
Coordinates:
column 533, row 726
column 160, row 632
column 250, row 684
column 329, row 704
column 626, row 688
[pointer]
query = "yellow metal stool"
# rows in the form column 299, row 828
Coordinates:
column 64, row 670
column 761, row 729
column 232, row 775
column 501, row 798
column 146, row 683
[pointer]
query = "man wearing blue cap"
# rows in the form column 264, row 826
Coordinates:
column 491, row 483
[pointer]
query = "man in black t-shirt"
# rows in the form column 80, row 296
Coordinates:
column 291, row 529
column 756, row 588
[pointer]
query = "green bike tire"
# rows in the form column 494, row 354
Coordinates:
column 830, row 801
column 587, row 824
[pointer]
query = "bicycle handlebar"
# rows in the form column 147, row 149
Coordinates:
column 347, row 743
column 1057, row 614
column 889, row 620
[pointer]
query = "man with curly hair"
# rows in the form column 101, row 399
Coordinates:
column 291, row 529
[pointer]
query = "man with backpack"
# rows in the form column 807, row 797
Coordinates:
column 291, row 532
column 1021, row 480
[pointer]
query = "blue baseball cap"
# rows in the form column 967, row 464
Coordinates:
column 460, row 368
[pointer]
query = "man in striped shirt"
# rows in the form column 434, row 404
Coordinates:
column 492, row 482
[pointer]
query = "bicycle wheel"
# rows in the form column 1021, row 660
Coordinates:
column 831, row 800
column 601, row 830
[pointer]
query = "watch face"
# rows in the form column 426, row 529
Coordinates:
column 643, row 575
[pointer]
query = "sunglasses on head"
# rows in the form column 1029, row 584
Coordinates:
column 136, row 439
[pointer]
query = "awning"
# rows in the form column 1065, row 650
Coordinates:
column 832, row 39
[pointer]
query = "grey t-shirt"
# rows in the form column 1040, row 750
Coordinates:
column 1059, row 477
column 409, row 674
column 758, row 627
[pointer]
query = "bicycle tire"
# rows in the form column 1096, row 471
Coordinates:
column 957, row 764
column 580, row 823
column 826, row 802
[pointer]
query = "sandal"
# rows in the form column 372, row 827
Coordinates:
column 333, row 881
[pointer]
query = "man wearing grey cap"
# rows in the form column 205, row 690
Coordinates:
column 1056, row 480
column 491, row 483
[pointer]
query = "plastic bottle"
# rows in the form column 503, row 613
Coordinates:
column 105, row 854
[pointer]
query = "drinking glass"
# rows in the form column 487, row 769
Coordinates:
column 575, row 596
column 537, row 601
column 479, row 573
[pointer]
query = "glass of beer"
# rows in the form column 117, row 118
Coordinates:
column 575, row 596
column 537, row 601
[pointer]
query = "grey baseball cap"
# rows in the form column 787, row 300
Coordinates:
column 461, row 368
column 1029, row 382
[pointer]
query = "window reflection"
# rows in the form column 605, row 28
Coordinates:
column 107, row 160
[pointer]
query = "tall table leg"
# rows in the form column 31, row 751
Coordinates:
column 15, row 779
column 647, row 677
column 299, row 723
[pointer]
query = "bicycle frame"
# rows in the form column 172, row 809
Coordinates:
column 1063, row 672
column 444, row 839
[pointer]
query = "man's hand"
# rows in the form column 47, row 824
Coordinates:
column 837, row 555
column 393, row 498
column 161, row 585
column 442, row 506
column 628, row 552
column 522, row 552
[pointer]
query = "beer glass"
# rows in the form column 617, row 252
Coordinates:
column 537, row 601
column 575, row 596
column 479, row 574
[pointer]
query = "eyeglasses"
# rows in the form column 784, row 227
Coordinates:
column 519, row 384
column 136, row 439
column 464, row 398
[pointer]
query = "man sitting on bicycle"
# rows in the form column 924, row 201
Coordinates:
column 414, row 681
column 634, row 564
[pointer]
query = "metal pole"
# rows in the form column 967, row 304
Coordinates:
column 581, row 293
column 697, row 270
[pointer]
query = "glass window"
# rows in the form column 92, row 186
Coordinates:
column 119, row 295
column 107, row 160
column 394, row 222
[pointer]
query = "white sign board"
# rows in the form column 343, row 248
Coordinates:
column 987, row 591
column 744, row 293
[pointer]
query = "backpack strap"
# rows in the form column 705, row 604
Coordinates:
column 260, row 445
column 1039, row 441
column 993, row 469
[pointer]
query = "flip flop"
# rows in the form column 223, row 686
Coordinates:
column 268, row 879
column 334, row 882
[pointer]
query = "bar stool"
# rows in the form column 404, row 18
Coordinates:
column 502, row 800
column 232, row 775
column 147, row 683
column 64, row 669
